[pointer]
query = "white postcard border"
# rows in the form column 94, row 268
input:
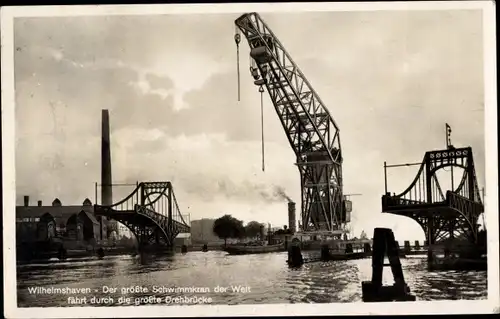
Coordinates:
column 420, row 307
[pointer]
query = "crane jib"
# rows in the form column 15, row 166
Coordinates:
column 310, row 129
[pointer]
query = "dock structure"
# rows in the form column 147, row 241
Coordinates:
column 384, row 244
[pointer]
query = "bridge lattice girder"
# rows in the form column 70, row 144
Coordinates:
column 442, row 215
column 151, row 212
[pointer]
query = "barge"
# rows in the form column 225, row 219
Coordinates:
column 254, row 249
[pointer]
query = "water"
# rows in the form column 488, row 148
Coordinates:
column 267, row 276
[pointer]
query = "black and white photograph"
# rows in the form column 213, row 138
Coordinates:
column 250, row 159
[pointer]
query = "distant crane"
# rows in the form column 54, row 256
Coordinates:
column 311, row 130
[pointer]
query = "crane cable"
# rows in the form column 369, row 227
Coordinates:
column 261, row 90
column 237, row 39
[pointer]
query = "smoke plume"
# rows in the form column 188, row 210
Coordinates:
column 280, row 193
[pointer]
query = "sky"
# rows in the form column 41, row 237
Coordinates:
column 391, row 80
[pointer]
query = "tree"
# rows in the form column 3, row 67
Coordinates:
column 262, row 231
column 228, row 227
column 253, row 229
column 239, row 229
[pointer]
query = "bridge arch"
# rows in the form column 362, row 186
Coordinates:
column 138, row 231
column 445, row 177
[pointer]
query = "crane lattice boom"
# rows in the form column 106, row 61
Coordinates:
column 311, row 130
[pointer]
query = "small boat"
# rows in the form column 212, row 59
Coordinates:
column 253, row 249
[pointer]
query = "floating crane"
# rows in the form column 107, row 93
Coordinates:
column 310, row 129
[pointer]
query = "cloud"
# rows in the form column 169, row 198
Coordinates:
column 390, row 79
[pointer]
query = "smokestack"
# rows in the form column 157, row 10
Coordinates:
column 26, row 200
column 291, row 217
column 39, row 203
column 106, row 188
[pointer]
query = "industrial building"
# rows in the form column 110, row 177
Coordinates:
column 68, row 222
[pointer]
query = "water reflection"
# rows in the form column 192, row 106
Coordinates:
column 267, row 276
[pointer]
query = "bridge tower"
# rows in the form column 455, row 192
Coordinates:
column 443, row 215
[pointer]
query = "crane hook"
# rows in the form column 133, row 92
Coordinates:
column 237, row 39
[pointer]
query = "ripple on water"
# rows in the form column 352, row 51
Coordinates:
column 269, row 279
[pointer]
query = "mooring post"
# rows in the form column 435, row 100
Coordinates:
column 394, row 261
column 367, row 248
column 378, row 254
column 295, row 258
column 373, row 291
column 407, row 246
column 325, row 252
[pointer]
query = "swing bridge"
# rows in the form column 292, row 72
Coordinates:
column 151, row 212
column 442, row 213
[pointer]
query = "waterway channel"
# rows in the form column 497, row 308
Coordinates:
column 217, row 278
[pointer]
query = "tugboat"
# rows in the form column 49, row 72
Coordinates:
column 271, row 245
column 330, row 247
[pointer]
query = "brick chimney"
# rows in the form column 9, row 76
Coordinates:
column 39, row 203
column 26, row 200
column 106, row 180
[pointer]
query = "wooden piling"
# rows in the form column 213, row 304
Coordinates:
column 367, row 249
column 295, row 258
column 417, row 245
column 325, row 252
column 373, row 291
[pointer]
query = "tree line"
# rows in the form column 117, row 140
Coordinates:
column 227, row 227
